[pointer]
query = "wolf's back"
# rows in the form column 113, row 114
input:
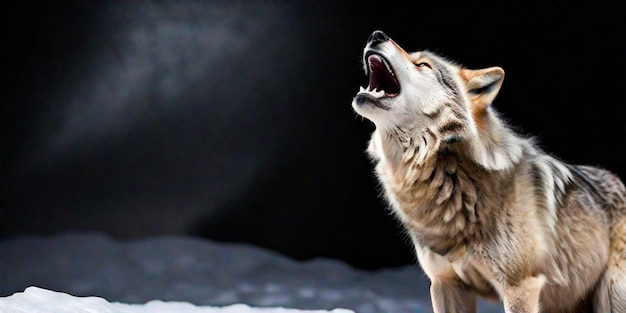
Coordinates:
column 611, row 291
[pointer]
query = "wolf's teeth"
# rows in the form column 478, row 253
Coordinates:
column 372, row 91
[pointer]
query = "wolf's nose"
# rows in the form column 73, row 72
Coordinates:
column 377, row 37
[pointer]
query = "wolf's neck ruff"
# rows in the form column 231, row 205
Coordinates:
column 436, row 186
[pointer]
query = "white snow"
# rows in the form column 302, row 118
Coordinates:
column 35, row 299
column 195, row 273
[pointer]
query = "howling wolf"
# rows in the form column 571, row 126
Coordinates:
column 489, row 213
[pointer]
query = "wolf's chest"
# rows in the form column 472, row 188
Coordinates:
column 436, row 202
column 472, row 270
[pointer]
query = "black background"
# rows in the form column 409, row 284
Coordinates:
column 231, row 120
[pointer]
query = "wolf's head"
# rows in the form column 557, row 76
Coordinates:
column 421, row 95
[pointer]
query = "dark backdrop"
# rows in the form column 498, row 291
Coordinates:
column 231, row 120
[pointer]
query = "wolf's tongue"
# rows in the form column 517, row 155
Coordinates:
column 381, row 76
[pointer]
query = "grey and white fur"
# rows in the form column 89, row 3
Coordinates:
column 490, row 214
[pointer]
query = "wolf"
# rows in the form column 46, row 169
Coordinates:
column 489, row 213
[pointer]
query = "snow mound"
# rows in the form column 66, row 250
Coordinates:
column 35, row 299
column 200, row 272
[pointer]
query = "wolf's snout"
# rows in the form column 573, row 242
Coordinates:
column 377, row 37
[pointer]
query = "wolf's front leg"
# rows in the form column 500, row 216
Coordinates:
column 524, row 297
column 451, row 296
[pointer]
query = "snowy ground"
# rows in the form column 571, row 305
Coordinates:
column 199, row 272
column 35, row 299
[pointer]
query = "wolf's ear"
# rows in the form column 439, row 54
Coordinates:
column 482, row 85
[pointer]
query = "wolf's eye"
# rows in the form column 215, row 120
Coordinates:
column 423, row 64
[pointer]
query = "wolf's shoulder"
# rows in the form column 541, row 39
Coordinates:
column 600, row 181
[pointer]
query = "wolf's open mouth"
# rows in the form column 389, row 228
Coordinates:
column 381, row 76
